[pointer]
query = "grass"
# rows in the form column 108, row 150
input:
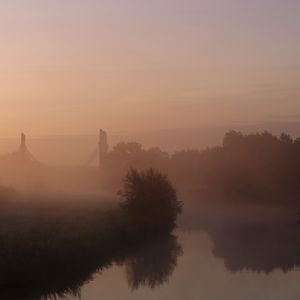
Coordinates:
column 51, row 248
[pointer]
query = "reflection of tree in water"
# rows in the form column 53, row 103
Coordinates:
column 51, row 248
column 153, row 263
column 57, row 274
column 261, row 247
column 249, row 238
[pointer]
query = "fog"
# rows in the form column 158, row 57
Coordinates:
column 75, row 149
column 149, row 149
column 239, row 165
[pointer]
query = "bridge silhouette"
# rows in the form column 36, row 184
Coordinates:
column 99, row 153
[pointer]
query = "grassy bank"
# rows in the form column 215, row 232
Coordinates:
column 50, row 248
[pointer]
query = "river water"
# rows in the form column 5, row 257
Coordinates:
column 249, row 260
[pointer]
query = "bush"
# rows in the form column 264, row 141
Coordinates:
column 150, row 200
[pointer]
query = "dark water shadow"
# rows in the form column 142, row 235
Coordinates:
column 258, row 247
column 258, row 239
column 149, row 262
column 153, row 263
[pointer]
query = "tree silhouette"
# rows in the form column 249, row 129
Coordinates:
column 254, row 165
column 150, row 199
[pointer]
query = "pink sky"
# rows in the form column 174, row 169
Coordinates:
column 74, row 66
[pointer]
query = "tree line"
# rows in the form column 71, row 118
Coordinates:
column 245, row 164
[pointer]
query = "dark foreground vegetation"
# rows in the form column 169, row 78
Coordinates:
column 253, row 166
column 150, row 201
column 51, row 248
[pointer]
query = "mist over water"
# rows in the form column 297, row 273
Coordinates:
column 225, row 253
column 66, row 237
column 235, row 247
column 190, row 189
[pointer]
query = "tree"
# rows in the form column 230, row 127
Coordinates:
column 150, row 200
column 232, row 139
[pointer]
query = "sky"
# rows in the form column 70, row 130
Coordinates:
column 73, row 66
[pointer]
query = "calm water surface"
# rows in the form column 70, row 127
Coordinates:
column 251, row 262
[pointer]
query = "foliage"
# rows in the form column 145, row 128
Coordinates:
column 49, row 249
column 252, row 165
column 150, row 197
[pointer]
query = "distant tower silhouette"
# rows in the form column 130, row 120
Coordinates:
column 103, row 146
column 23, row 147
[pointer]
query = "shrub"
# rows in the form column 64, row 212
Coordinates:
column 150, row 199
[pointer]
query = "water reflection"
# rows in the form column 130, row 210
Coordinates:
column 252, row 239
column 154, row 263
column 257, row 247
column 258, row 244
column 148, row 263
